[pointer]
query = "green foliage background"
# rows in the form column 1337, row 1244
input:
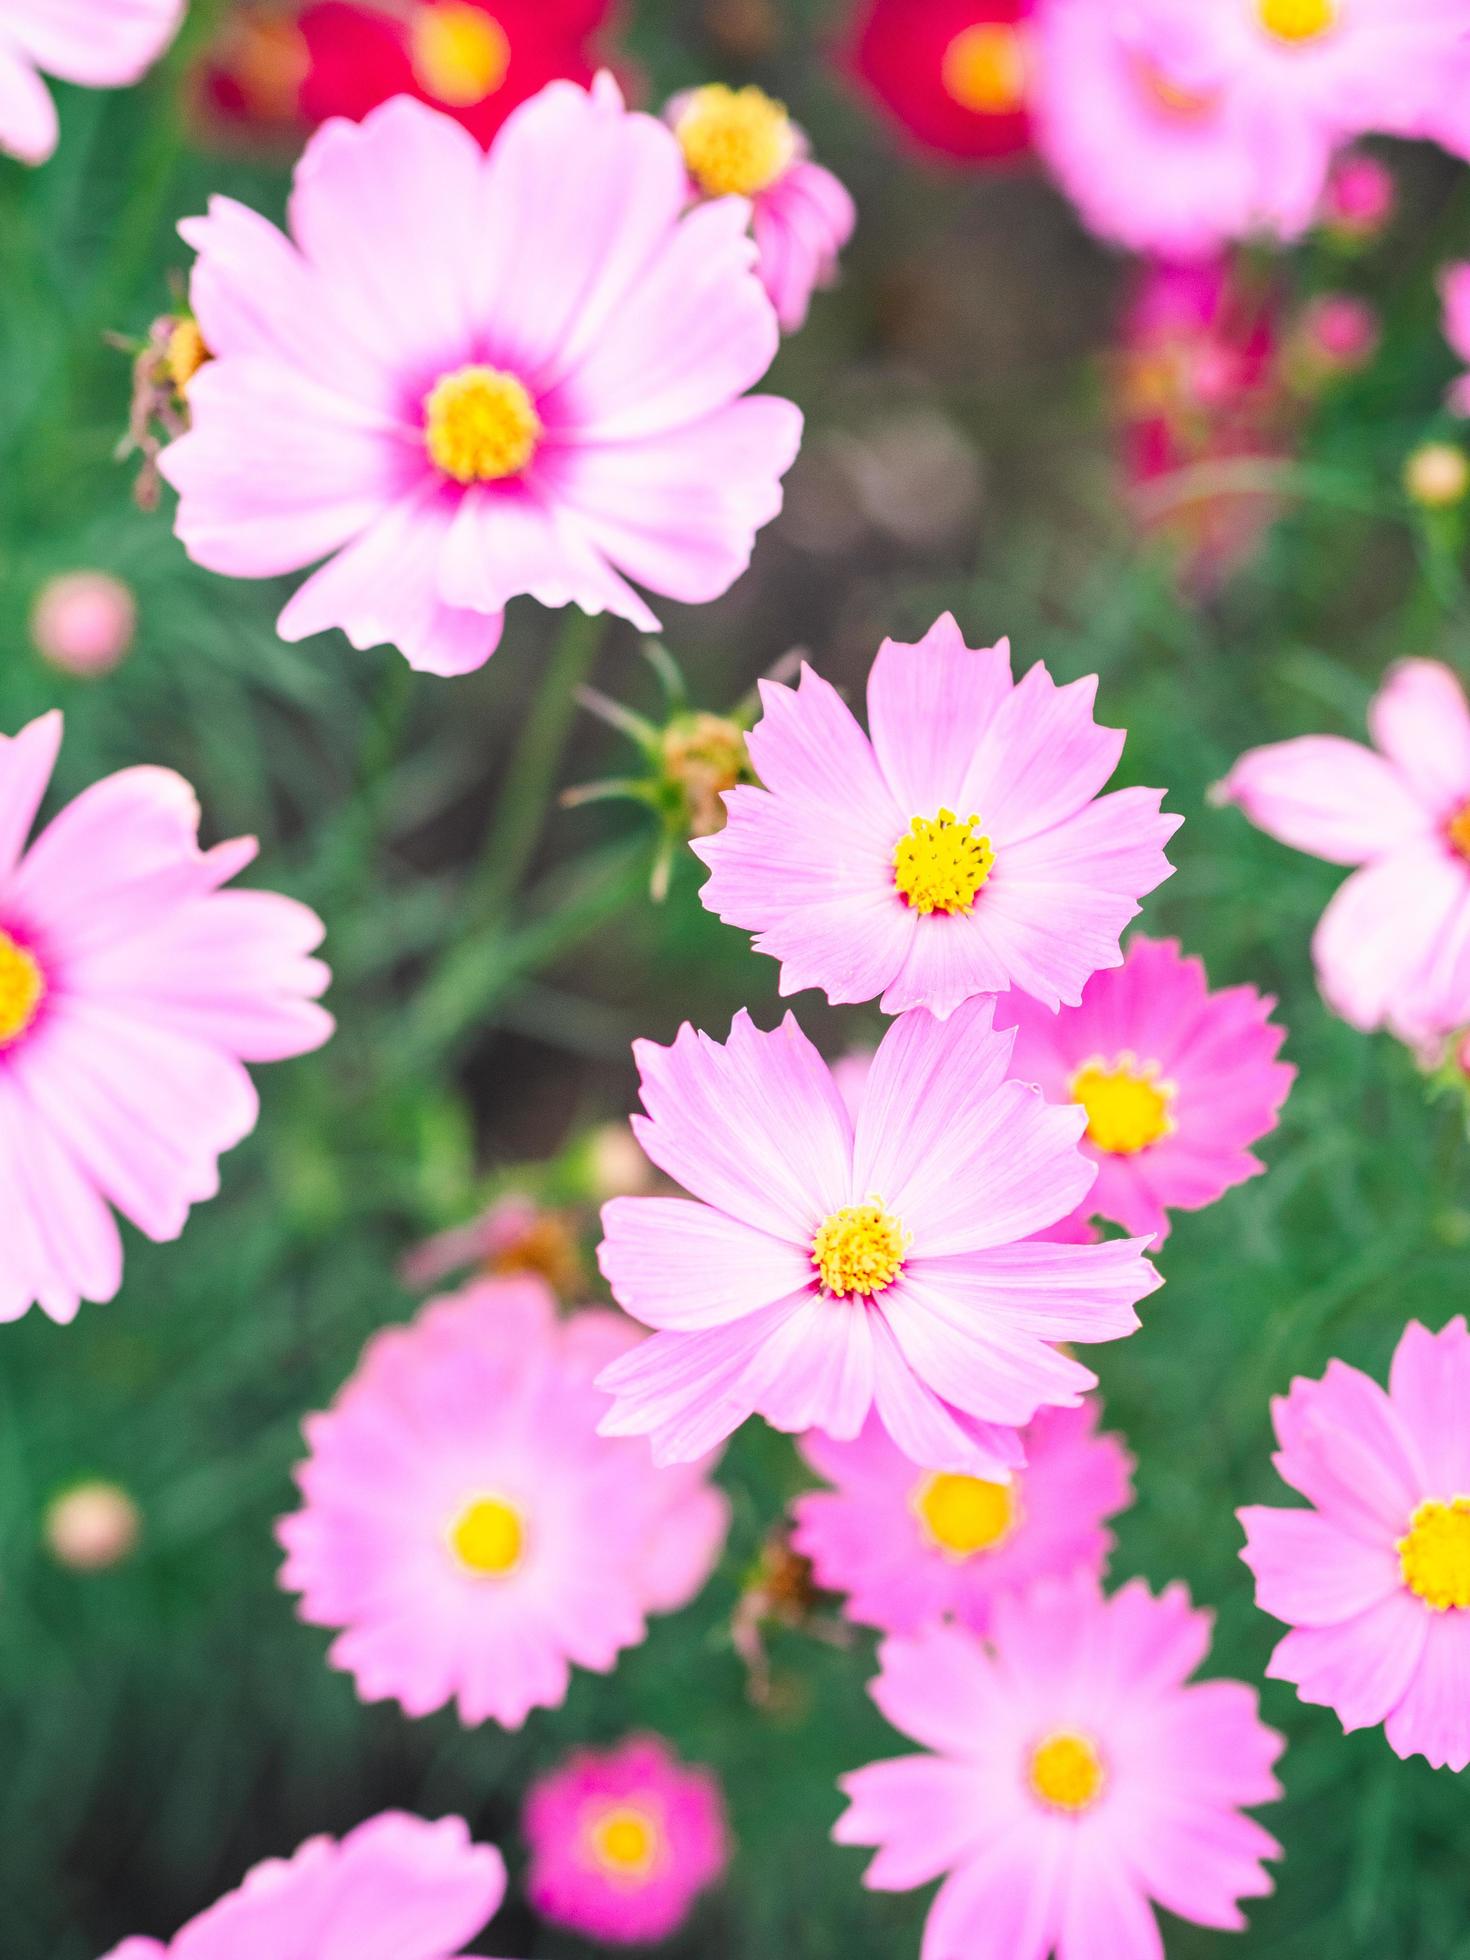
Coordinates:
column 164, row 1725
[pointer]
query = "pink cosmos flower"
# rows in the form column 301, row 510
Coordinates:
column 469, row 376
column 99, row 43
column 623, row 1841
column 960, row 848
column 825, row 1268
column 466, row 1526
column 1393, row 947
column 1142, row 119
column 1075, row 1777
column 396, row 1888
column 1374, row 1579
column 908, row 1546
column 132, row 989
column 1359, row 199
column 738, row 142
column 1454, row 288
column 1177, row 1082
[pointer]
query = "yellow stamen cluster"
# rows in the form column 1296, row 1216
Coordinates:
column 1128, row 1107
column 460, row 54
column 965, row 1515
column 488, row 1537
column 736, row 141
column 22, row 989
column 186, row 354
column 984, row 68
column 1298, row 20
column 939, row 863
column 1458, row 831
column 480, row 425
column 1434, row 1554
column 859, row 1249
column 1066, row 1772
column 625, row 1842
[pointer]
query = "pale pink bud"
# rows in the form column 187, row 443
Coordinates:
column 83, row 622
column 1360, row 197
column 92, row 1526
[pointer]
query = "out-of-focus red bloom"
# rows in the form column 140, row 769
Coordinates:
column 1201, row 395
column 279, row 64
column 955, row 74
column 476, row 58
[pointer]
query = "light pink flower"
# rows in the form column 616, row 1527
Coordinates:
column 1142, row 117
column 466, row 1526
column 960, row 848
column 396, row 1888
column 1375, row 1577
column 1177, row 1082
column 1454, row 289
column 826, row 1268
column 470, row 376
column 1393, row 947
column 740, row 142
column 132, row 990
column 908, row 1546
column 98, row 43
column 623, row 1841
column 1076, row 1777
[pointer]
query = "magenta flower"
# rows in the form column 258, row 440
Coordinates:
column 466, row 1526
column 738, row 142
column 1177, row 1082
column 132, row 989
column 98, row 43
column 826, row 1268
column 469, row 376
column 623, row 1841
column 963, row 849
column 1393, row 947
column 1374, row 1579
column 396, row 1888
column 908, row 1546
column 1076, row 1777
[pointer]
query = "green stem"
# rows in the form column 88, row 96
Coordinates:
column 520, row 812
column 487, row 964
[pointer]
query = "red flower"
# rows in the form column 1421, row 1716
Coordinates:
column 476, row 58
column 956, row 74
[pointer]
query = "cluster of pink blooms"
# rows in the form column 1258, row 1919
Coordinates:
column 463, row 376
column 1177, row 126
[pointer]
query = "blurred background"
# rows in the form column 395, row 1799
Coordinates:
column 1193, row 486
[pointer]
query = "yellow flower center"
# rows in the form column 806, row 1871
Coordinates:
column 736, row 141
column 1298, row 20
column 940, row 863
column 1434, row 1554
column 1128, row 1108
column 480, row 425
column 984, row 69
column 859, row 1249
column 22, row 989
column 1458, row 831
column 459, row 54
column 1066, row 1771
column 965, row 1515
column 625, row 1841
column 186, row 354
column 488, row 1537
